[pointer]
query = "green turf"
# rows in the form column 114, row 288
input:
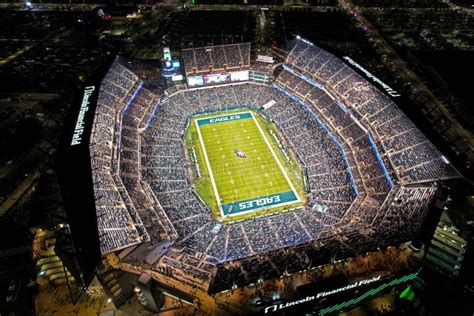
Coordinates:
column 236, row 178
column 241, row 178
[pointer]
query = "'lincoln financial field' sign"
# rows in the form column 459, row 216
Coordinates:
column 79, row 127
column 277, row 307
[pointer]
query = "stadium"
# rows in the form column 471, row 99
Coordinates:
column 252, row 171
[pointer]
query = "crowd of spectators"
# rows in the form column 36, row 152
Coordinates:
column 414, row 159
column 164, row 165
column 117, row 228
column 143, row 178
column 127, row 212
column 328, row 174
column 134, row 117
column 216, row 58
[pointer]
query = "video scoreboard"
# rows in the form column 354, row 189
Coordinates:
column 217, row 78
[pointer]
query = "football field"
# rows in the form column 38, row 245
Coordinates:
column 245, row 172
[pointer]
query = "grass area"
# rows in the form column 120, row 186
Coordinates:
column 248, row 179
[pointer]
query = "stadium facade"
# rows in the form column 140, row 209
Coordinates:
column 371, row 175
